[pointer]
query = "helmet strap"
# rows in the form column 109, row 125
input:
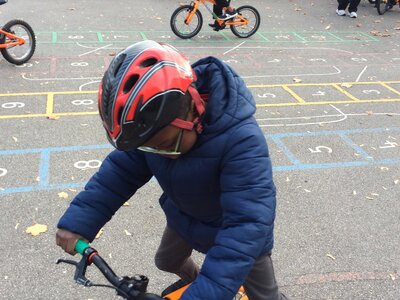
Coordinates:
column 200, row 110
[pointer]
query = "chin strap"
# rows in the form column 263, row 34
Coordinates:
column 200, row 109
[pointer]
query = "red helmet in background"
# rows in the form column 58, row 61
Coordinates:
column 144, row 89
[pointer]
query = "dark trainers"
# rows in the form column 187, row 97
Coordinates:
column 212, row 25
column 228, row 14
column 173, row 287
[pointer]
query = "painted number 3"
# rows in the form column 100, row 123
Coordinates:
column 87, row 164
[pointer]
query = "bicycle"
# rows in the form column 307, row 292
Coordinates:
column 17, row 41
column 130, row 288
column 187, row 20
column 383, row 6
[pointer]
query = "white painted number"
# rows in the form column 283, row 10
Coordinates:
column 82, row 102
column 79, row 64
column 389, row 145
column 358, row 59
column 75, row 37
column 87, row 164
column 319, row 93
column 3, row 172
column 367, row 92
column 267, row 95
column 319, row 149
column 13, row 105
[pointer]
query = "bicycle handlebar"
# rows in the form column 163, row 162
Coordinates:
column 130, row 288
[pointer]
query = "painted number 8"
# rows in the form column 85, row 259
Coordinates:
column 82, row 102
column 87, row 164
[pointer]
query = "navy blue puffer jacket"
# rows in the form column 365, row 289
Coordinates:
column 220, row 196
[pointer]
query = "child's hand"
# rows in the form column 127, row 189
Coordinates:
column 67, row 240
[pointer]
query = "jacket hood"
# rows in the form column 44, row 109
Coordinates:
column 229, row 100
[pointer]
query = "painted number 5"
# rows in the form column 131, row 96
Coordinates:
column 320, row 149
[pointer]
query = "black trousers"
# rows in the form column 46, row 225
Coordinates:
column 173, row 255
column 219, row 4
column 353, row 4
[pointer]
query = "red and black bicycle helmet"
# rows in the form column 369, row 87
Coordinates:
column 144, row 89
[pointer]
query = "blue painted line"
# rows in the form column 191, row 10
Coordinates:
column 44, row 168
column 55, row 149
column 356, row 147
column 285, row 150
column 333, row 132
column 44, row 185
column 336, row 165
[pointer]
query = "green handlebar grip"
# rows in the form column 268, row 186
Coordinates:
column 81, row 246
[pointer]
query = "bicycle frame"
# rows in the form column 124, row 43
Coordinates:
column 16, row 40
column 127, row 287
column 239, row 20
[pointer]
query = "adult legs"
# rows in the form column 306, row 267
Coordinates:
column 353, row 5
column 260, row 283
column 343, row 4
column 173, row 256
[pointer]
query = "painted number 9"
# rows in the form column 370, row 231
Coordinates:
column 13, row 105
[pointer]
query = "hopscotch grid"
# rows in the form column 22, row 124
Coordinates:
column 286, row 87
column 277, row 139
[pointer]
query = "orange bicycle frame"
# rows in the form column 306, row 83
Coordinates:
column 239, row 20
column 178, row 293
column 16, row 40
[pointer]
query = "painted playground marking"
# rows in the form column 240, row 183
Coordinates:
column 358, row 147
column 42, row 104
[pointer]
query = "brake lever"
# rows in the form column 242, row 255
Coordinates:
column 80, row 270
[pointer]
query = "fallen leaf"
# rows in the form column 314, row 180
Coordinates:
column 126, row 203
column 328, row 27
column 36, row 229
column 127, row 232
column 331, row 256
column 15, row 139
column 297, row 80
column 53, row 117
column 369, row 198
column 16, row 226
column 354, row 192
column 396, row 182
column 100, row 233
column 63, row 195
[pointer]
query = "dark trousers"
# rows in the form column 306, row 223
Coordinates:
column 353, row 4
column 173, row 255
column 219, row 5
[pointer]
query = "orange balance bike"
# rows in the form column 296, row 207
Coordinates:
column 187, row 20
column 130, row 288
column 17, row 41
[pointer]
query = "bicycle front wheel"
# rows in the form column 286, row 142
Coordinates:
column 180, row 26
column 383, row 6
column 18, row 54
column 252, row 16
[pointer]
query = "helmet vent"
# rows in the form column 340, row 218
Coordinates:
column 130, row 83
column 148, row 62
